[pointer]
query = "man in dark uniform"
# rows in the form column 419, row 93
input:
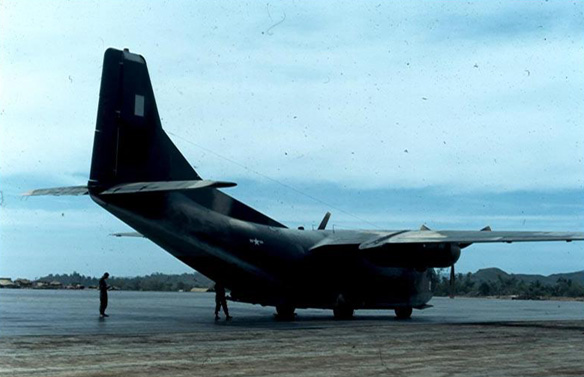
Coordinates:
column 221, row 301
column 103, row 287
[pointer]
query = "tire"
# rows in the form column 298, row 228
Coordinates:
column 285, row 312
column 343, row 313
column 403, row 312
column 343, row 309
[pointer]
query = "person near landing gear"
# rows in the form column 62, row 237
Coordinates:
column 220, row 301
column 103, row 288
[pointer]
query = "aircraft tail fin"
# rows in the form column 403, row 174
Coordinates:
column 130, row 144
column 131, row 152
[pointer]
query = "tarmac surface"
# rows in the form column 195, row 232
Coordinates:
column 58, row 333
column 62, row 312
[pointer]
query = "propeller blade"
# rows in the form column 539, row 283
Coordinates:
column 452, row 281
column 324, row 221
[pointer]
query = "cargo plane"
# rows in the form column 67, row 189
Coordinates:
column 138, row 175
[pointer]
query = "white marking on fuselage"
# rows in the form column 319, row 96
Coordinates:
column 255, row 241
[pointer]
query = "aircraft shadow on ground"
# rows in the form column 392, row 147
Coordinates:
column 314, row 321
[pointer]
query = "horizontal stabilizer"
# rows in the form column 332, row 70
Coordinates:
column 136, row 187
column 59, row 191
column 130, row 188
column 128, row 234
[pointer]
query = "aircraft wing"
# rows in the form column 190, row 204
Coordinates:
column 367, row 241
column 465, row 237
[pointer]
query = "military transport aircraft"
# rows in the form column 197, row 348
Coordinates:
column 139, row 175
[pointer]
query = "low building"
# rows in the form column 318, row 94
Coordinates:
column 23, row 283
column 7, row 283
column 74, row 286
column 40, row 285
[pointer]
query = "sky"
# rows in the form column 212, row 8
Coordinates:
column 391, row 115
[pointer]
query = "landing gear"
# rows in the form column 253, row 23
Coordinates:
column 403, row 312
column 343, row 309
column 285, row 312
column 343, row 313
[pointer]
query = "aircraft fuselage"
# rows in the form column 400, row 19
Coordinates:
column 268, row 265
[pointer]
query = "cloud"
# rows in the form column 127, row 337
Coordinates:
column 366, row 99
column 317, row 100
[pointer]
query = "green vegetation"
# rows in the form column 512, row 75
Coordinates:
column 493, row 282
column 154, row 282
column 486, row 282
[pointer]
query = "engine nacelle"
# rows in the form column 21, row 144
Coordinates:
column 423, row 255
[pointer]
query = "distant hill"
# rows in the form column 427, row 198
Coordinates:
column 496, row 282
column 492, row 274
column 489, row 274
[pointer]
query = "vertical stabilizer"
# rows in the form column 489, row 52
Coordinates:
column 129, row 144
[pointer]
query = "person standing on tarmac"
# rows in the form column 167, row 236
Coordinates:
column 220, row 301
column 103, row 287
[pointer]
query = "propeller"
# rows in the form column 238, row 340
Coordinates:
column 452, row 281
column 324, row 221
column 452, row 274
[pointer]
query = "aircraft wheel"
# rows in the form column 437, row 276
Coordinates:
column 403, row 312
column 342, row 308
column 343, row 312
column 285, row 312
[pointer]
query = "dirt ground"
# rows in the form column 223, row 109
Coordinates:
column 493, row 349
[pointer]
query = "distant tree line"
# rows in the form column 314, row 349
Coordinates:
column 154, row 282
column 465, row 284
column 468, row 285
